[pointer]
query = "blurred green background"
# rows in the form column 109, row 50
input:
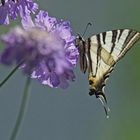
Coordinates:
column 56, row 114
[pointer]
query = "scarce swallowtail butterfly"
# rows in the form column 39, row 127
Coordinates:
column 99, row 54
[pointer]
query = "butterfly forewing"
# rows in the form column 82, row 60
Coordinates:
column 105, row 50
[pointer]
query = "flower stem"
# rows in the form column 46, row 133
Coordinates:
column 10, row 74
column 22, row 109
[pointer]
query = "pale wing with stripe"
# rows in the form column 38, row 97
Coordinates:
column 105, row 50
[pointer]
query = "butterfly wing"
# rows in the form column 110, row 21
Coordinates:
column 104, row 50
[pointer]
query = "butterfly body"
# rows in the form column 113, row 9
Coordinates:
column 99, row 54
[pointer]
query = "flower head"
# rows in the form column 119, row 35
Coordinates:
column 14, row 8
column 47, row 49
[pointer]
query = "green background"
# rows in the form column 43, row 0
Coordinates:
column 56, row 114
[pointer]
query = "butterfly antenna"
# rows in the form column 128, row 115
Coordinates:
column 89, row 24
column 104, row 103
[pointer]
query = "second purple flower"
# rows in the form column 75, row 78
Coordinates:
column 14, row 8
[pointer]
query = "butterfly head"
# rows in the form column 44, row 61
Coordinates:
column 79, row 41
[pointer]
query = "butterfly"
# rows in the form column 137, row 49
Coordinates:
column 99, row 54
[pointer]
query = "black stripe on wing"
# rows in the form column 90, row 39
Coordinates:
column 114, row 36
column 104, row 36
column 89, row 55
column 121, row 31
column 98, row 51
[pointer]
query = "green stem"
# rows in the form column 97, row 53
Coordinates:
column 22, row 110
column 10, row 74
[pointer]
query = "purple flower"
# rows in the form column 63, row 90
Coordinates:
column 14, row 8
column 47, row 48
